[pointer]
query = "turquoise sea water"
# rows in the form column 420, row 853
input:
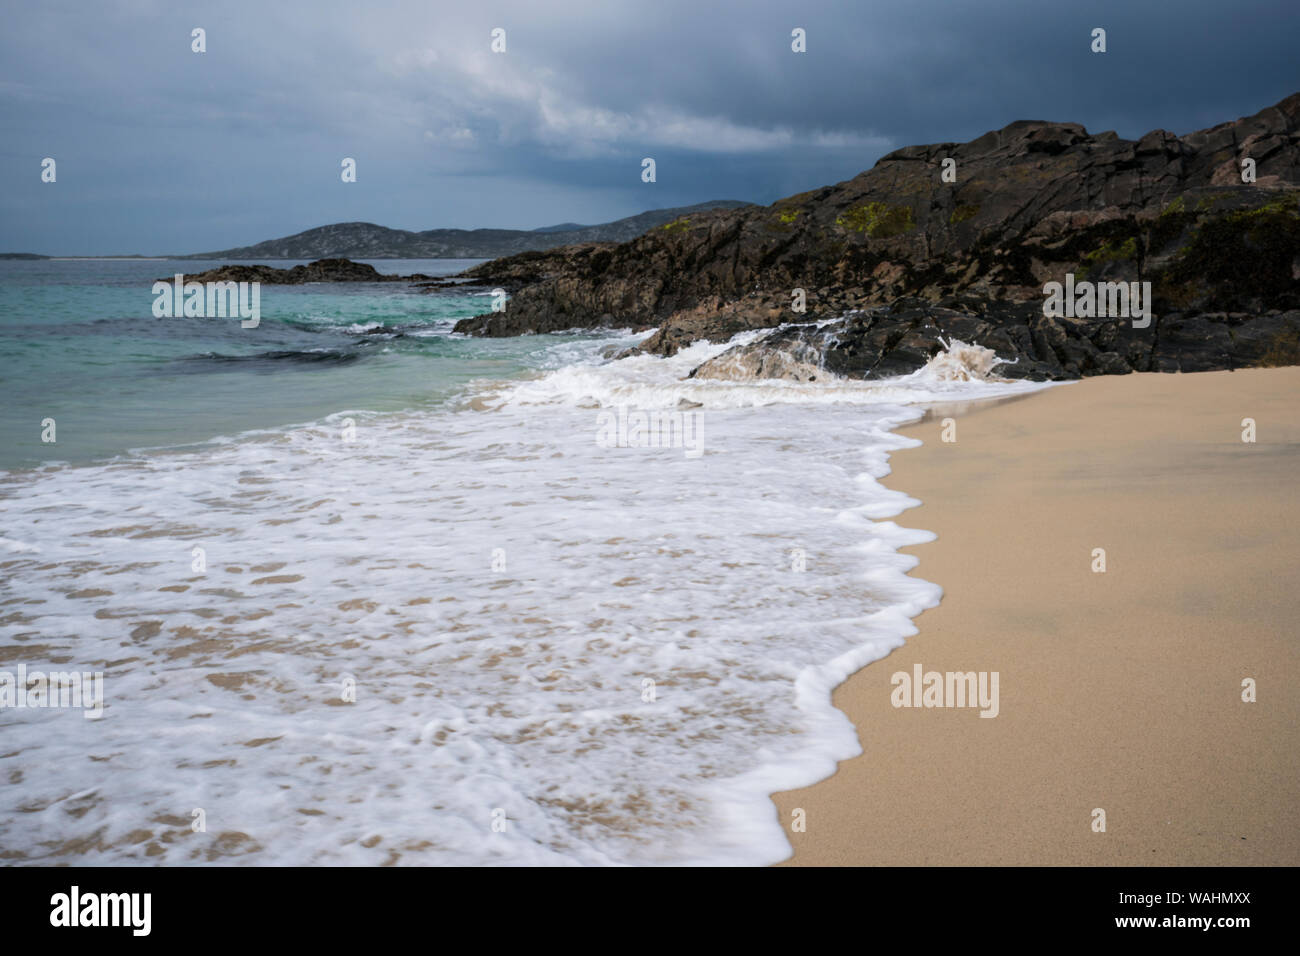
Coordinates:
column 369, row 647
column 80, row 345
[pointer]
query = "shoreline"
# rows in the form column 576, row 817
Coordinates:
column 1120, row 690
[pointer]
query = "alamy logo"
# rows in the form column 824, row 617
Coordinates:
column 949, row 689
column 208, row 300
column 1087, row 300
column 55, row 689
column 621, row 427
column 103, row 909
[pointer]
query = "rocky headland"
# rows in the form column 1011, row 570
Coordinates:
column 898, row 260
column 323, row 270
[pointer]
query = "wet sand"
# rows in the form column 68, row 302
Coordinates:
column 1118, row 690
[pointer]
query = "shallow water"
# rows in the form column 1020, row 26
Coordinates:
column 468, row 631
column 81, row 346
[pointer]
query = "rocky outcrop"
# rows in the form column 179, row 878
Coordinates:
column 323, row 270
column 1030, row 203
column 904, row 336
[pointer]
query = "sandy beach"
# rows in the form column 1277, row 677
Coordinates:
column 1120, row 690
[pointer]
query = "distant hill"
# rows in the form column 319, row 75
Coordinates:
column 562, row 227
column 21, row 255
column 365, row 240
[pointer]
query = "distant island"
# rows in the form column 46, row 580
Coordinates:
column 365, row 240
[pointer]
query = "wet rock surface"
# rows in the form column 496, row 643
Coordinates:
column 901, row 259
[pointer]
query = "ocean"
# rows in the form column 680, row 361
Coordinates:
column 365, row 592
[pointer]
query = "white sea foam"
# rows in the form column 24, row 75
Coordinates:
column 647, row 381
column 519, row 690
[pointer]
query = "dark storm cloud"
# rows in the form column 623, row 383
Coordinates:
column 160, row 149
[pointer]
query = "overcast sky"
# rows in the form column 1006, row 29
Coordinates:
column 160, row 149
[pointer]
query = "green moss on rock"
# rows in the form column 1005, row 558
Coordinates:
column 1174, row 208
column 878, row 220
column 1237, row 258
column 1207, row 202
column 962, row 213
column 1114, row 251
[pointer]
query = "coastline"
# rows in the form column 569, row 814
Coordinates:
column 1118, row 690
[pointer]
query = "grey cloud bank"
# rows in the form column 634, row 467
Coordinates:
column 161, row 149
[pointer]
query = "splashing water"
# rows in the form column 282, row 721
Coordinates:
column 615, row 653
